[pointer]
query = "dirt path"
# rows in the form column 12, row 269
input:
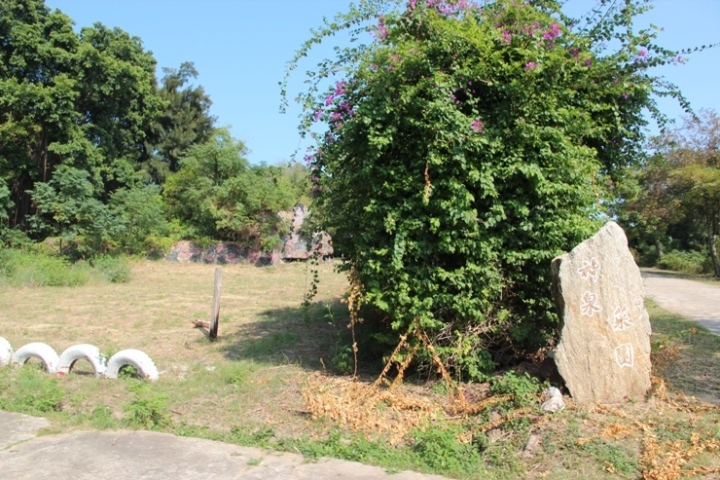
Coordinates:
column 697, row 301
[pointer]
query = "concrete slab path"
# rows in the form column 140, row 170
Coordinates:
column 140, row 455
column 695, row 300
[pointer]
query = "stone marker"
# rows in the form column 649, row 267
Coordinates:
column 604, row 349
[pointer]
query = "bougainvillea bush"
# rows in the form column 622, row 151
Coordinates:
column 466, row 146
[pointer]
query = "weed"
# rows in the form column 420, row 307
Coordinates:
column 102, row 418
column 254, row 462
column 237, row 374
column 114, row 269
column 440, row 450
column 129, row 371
column 524, row 389
column 30, row 390
column 148, row 410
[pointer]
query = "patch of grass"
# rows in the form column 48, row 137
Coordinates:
column 274, row 344
column 148, row 410
column 114, row 269
column 685, row 354
column 36, row 269
column 20, row 268
column 30, row 390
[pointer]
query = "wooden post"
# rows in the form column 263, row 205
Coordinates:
column 215, row 314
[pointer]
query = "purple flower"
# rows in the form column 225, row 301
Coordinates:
column 411, row 4
column 506, row 37
column 340, row 88
column 382, row 30
column 531, row 66
column 316, row 115
column 477, row 126
column 554, row 32
column 625, row 96
column 588, row 62
column 329, row 99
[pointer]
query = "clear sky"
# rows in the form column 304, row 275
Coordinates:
column 241, row 47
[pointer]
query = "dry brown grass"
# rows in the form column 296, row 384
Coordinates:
column 153, row 311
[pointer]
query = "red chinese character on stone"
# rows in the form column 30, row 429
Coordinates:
column 590, row 269
column 621, row 319
column 625, row 355
column 589, row 306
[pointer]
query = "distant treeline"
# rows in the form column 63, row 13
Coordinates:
column 98, row 152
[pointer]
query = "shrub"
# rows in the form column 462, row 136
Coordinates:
column 114, row 269
column 465, row 148
column 34, row 269
column 685, row 262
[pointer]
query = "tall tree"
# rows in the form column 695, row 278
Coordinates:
column 82, row 100
column 38, row 92
column 692, row 170
column 184, row 122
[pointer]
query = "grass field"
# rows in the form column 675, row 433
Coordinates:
column 268, row 381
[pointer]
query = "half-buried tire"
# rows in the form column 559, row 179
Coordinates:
column 82, row 352
column 40, row 350
column 132, row 357
column 6, row 352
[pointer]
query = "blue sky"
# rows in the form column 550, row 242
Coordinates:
column 241, row 47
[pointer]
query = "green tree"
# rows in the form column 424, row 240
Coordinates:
column 184, row 122
column 688, row 176
column 82, row 100
column 219, row 195
column 468, row 146
column 140, row 214
column 67, row 207
column 38, row 92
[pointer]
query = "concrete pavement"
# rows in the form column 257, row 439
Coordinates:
column 140, row 455
column 697, row 301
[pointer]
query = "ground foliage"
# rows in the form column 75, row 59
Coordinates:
column 468, row 145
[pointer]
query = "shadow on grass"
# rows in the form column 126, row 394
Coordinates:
column 311, row 337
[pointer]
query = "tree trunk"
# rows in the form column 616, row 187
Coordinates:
column 712, row 230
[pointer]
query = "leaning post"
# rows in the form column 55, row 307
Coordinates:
column 215, row 314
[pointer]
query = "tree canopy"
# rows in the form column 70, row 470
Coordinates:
column 89, row 137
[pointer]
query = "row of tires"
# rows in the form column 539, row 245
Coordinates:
column 63, row 364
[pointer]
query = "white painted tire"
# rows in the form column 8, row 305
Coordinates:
column 133, row 357
column 39, row 350
column 79, row 352
column 6, row 352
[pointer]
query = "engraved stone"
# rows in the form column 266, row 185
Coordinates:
column 604, row 349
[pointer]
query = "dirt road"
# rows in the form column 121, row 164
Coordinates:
column 697, row 301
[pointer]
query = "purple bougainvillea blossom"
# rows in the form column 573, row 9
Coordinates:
column 506, row 38
column 531, row 66
column 553, row 32
column 477, row 126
